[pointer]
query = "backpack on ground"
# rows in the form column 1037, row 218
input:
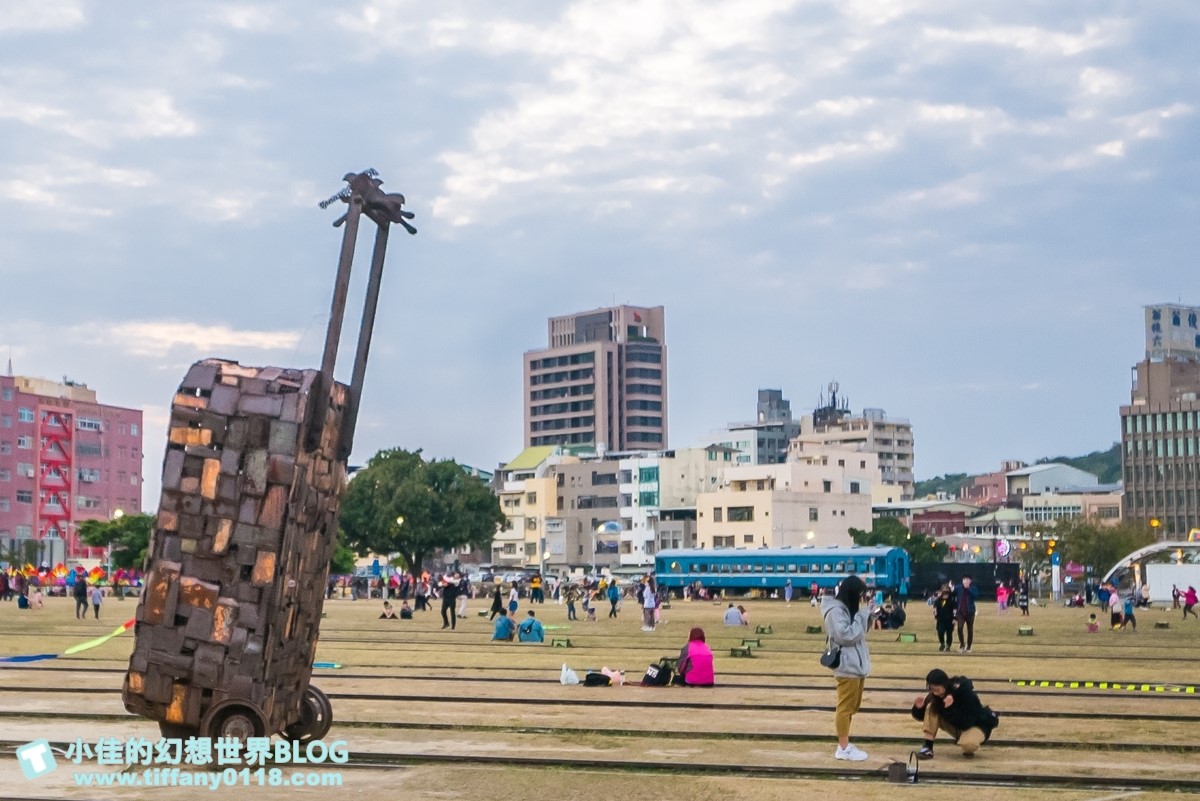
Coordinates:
column 658, row 675
column 596, row 679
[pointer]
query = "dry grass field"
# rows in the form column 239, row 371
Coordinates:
column 432, row 713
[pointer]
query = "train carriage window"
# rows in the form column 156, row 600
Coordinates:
column 701, row 568
column 803, row 569
column 840, row 567
column 865, row 567
column 826, row 568
column 725, row 569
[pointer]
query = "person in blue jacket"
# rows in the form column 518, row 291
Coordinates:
column 964, row 612
column 504, row 630
column 614, row 596
column 531, row 629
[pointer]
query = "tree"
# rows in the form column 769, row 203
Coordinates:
column 1097, row 546
column 129, row 537
column 342, row 561
column 401, row 503
column 891, row 532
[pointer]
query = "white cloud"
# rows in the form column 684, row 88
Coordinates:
column 158, row 338
column 1114, row 148
column 44, row 15
column 1033, row 39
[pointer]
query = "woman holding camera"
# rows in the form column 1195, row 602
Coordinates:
column 847, row 617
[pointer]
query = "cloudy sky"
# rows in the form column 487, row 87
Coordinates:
column 954, row 209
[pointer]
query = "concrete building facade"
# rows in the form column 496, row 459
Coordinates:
column 64, row 458
column 1160, row 428
column 657, row 498
column 890, row 438
column 1041, row 479
column 813, row 501
column 600, row 382
column 766, row 440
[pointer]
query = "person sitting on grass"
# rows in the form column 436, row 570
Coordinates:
column 388, row 613
column 504, row 630
column 405, row 610
column 952, row 706
column 695, row 662
column 531, row 629
column 732, row 616
column 1093, row 625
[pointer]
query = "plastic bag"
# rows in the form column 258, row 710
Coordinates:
column 569, row 676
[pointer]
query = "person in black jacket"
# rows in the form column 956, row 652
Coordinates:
column 943, row 616
column 952, row 706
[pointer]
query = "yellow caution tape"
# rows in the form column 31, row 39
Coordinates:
column 1187, row 689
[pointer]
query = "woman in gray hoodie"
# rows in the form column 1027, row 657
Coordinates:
column 847, row 620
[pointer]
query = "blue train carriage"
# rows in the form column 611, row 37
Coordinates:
column 769, row 568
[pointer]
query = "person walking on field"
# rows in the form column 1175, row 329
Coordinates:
column 1189, row 603
column 97, row 599
column 81, row 598
column 614, row 597
column 450, row 592
column 649, row 603
column 787, row 592
column 964, row 612
column 497, row 603
column 1023, row 598
column 943, row 618
column 847, row 618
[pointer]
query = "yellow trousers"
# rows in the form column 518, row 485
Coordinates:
column 968, row 740
column 849, row 700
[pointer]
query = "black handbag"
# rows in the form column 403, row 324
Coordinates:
column 832, row 658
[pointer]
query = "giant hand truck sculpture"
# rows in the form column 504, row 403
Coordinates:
column 252, row 481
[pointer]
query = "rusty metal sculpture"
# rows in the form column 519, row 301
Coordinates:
column 252, row 481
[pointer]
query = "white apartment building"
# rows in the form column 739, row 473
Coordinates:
column 811, row 501
column 891, row 438
column 657, row 498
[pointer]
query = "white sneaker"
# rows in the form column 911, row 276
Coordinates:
column 851, row 752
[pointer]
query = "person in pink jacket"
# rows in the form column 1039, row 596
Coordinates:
column 696, row 661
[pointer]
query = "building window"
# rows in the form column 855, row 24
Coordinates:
column 718, row 515
column 531, row 497
column 24, row 496
column 741, row 514
column 813, row 514
column 24, row 470
column 748, row 539
column 5, row 475
column 87, row 424
column 863, row 464
column 6, row 421
column 8, row 393
column 3, row 504
column 133, row 429
column 841, row 462
column 827, row 485
column 5, row 447
column 25, row 415
column 25, row 443
column 853, row 487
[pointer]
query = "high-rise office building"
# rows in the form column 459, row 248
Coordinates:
column 64, row 459
column 601, row 382
column 1160, row 428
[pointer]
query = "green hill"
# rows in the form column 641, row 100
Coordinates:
column 1106, row 465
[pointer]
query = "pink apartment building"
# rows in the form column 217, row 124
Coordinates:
column 64, row 459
